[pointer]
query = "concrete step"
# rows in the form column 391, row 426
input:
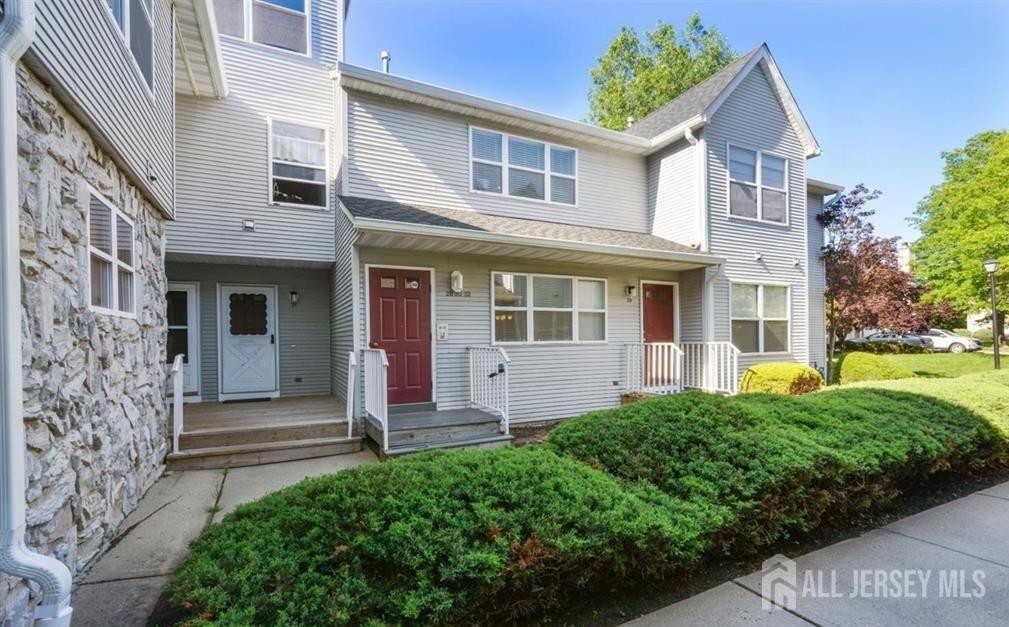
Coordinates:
column 236, row 436
column 261, row 453
column 474, row 443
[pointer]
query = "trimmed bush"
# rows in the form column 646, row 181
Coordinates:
column 854, row 367
column 985, row 336
column 463, row 537
column 890, row 347
column 781, row 378
column 761, row 467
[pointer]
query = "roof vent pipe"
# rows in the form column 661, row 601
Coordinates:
column 386, row 57
column 17, row 27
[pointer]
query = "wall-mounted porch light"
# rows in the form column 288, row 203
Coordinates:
column 295, row 297
column 248, row 225
column 630, row 290
column 456, row 282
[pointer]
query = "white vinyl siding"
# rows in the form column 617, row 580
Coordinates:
column 674, row 204
column 757, row 252
column 761, row 318
column 547, row 309
column 224, row 166
column 758, row 185
column 522, row 168
column 111, row 244
column 817, row 282
column 417, row 155
column 281, row 24
column 298, row 165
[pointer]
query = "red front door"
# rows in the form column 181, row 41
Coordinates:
column 659, row 312
column 400, row 318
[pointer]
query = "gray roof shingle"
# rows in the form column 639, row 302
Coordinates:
column 472, row 221
column 692, row 102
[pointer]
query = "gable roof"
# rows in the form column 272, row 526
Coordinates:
column 696, row 106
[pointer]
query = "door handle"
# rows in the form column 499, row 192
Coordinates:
column 372, row 344
column 272, row 338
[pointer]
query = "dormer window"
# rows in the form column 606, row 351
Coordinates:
column 524, row 168
column 758, row 185
column 277, row 23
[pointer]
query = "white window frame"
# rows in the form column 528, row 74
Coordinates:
column 504, row 165
column 530, row 310
column 113, row 258
column 269, row 165
column 247, row 21
column 761, row 319
column 758, row 185
column 124, row 40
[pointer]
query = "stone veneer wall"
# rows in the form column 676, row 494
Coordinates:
column 95, row 408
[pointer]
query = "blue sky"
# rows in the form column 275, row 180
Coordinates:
column 886, row 86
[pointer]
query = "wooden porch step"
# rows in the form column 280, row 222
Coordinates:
column 235, row 456
column 435, row 427
column 485, row 442
column 261, row 434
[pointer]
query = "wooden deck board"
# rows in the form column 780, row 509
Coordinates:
column 442, row 418
column 278, row 412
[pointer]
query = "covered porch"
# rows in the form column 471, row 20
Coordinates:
column 523, row 320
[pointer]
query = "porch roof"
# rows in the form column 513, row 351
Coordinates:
column 386, row 223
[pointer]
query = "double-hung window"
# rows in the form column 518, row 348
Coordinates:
column 548, row 309
column 524, row 168
column 760, row 318
column 110, row 258
column 298, row 171
column 758, row 184
column 135, row 19
column 278, row 23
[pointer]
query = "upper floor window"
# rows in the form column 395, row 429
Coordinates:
column 110, row 258
column 298, row 164
column 758, row 184
column 135, row 19
column 760, row 318
column 525, row 168
column 545, row 308
column 279, row 23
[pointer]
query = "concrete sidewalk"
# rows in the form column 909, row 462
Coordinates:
column 123, row 587
column 953, row 558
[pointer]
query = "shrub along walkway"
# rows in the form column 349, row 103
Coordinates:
column 954, row 541
column 124, row 586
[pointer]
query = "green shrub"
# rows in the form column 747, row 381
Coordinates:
column 853, row 367
column 963, row 332
column 781, row 378
column 461, row 537
column 889, row 347
column 760, row 467
column 985, row 336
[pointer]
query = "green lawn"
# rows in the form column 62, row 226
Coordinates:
column 945, row 365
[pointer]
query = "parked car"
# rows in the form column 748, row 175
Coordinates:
column 943, row 340
column 910, row 339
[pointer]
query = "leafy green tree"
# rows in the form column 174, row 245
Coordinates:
column 965, row 220
column 636, row 75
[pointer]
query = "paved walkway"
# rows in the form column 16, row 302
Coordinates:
column 939, row 556
column 124, row 586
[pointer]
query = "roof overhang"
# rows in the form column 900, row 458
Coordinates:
column 823, row 188
column 389, row 233
column 199, row 66
column 369, row 81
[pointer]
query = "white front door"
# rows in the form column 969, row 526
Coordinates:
column 184, row 332
column 248, row 328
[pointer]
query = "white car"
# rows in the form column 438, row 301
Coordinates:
column 943, row 340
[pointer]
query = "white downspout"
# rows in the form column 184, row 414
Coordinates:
column 16, row 31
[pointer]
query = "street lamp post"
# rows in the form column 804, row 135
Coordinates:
column 990, row 267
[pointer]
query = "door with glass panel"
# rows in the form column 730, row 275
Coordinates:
column 248, row 328
column 184, row 332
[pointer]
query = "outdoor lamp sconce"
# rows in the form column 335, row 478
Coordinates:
column 795, row 261
column 455, row 282
column 295, row 297
column 758, row 256
column 630, row 290
column 248, row 225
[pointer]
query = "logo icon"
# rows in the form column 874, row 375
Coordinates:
column 777, row 583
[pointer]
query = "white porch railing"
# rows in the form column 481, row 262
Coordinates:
column 376, row 400
column 654, row 367
column 711, row 366
column 488, row 381
column 178, row 387
column 351, row 391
